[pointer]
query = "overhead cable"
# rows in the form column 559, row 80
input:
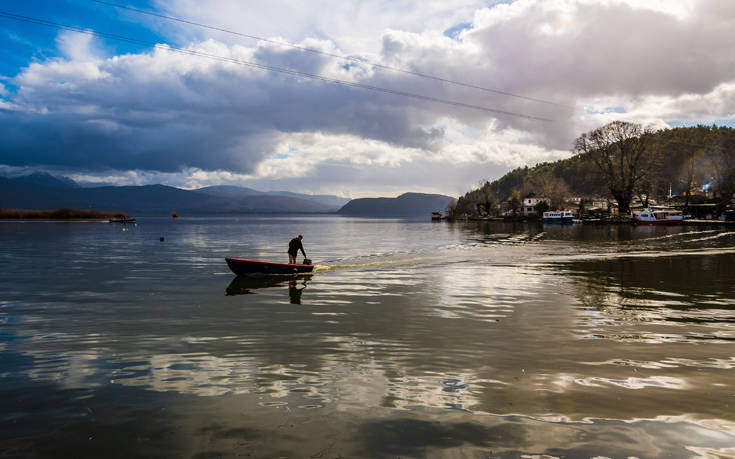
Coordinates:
column 257, row 65
column 335, row 55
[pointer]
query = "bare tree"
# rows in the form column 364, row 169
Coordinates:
column 547, row 185
column 619, row 149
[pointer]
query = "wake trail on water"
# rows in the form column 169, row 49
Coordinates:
column 634, row 254
column 520, row 249
column 671, row 236
column 495, row 251
column 357, row 264
column 716, row 236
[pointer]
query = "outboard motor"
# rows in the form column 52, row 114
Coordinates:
column 307, row 261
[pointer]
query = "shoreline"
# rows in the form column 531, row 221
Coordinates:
column 26, row 215
column 621, row 221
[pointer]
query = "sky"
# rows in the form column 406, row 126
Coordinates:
column 534, row 74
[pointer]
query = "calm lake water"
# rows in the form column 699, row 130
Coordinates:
column 411, row 339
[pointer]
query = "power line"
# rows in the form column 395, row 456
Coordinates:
column 286, row 71
column 339, row 56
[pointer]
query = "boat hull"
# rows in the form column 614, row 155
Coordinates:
column 662, row 222
column 559, row 221
column 243, row 267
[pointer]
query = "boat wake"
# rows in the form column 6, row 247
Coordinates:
column 716, row 236
column 675, row 235
column 358, row 264
column 634, row 254
column 520, row 249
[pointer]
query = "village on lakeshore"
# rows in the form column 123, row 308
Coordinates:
column 620, row 173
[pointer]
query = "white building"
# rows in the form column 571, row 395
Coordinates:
column 528, row 203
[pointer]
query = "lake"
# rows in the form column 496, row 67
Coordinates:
column 411, row 339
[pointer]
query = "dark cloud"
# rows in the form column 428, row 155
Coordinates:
column 165, row 112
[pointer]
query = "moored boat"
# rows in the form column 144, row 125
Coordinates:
column 559, row 216
column 241, row 266
column 658, row 217
column 122, row 220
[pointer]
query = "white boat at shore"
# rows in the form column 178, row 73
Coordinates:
column 658, row 217
column 559, row 216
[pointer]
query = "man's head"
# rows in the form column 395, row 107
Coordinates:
column 300, row 237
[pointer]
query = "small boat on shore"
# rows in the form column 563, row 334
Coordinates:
column 559, row 216
column 241, row 266
column 658, row 217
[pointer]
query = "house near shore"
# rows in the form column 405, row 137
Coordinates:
column 529, row 202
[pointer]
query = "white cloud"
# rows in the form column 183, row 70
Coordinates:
column 76, row 46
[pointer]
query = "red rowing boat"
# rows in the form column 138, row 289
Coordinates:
column 240, row 266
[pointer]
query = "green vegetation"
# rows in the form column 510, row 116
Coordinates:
column 620, row 162
column 59, row 214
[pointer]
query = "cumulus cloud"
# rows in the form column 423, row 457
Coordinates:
column 186, row 120
column 76, row 46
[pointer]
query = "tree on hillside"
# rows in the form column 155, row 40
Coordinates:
column 487, row 198
column 620, row 151
column 515, row 201
column 479, row 201
column 722, row 160
column 691, row 145
column 546, row 184
column 540, row 208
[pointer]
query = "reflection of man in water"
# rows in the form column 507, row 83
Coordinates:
column 293, row 249
column 294, row 291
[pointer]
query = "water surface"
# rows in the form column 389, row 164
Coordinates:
column 411, row 339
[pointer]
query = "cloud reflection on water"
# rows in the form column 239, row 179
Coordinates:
column 484, row 337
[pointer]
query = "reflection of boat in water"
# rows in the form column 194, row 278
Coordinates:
column 244, row 285
column 658, row 217
column 561, row 216
column 241, row 266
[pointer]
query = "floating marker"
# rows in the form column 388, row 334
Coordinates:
column 161, row 238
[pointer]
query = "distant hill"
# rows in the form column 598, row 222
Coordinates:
column 229, row 191
column 15, row 194
column 46, row 179
column 334, row 202
column 405, row 205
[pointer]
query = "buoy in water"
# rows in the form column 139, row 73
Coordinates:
column 161, row 238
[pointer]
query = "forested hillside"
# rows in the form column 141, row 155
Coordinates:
column 621, row 161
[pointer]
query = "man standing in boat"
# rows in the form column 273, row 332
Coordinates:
column 293, row 249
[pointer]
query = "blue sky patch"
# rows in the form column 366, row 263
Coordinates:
column 453, row 32
column 24, row 43
column 614, row 109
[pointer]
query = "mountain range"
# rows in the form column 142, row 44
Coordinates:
column 45, row 191
column 229, row 191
